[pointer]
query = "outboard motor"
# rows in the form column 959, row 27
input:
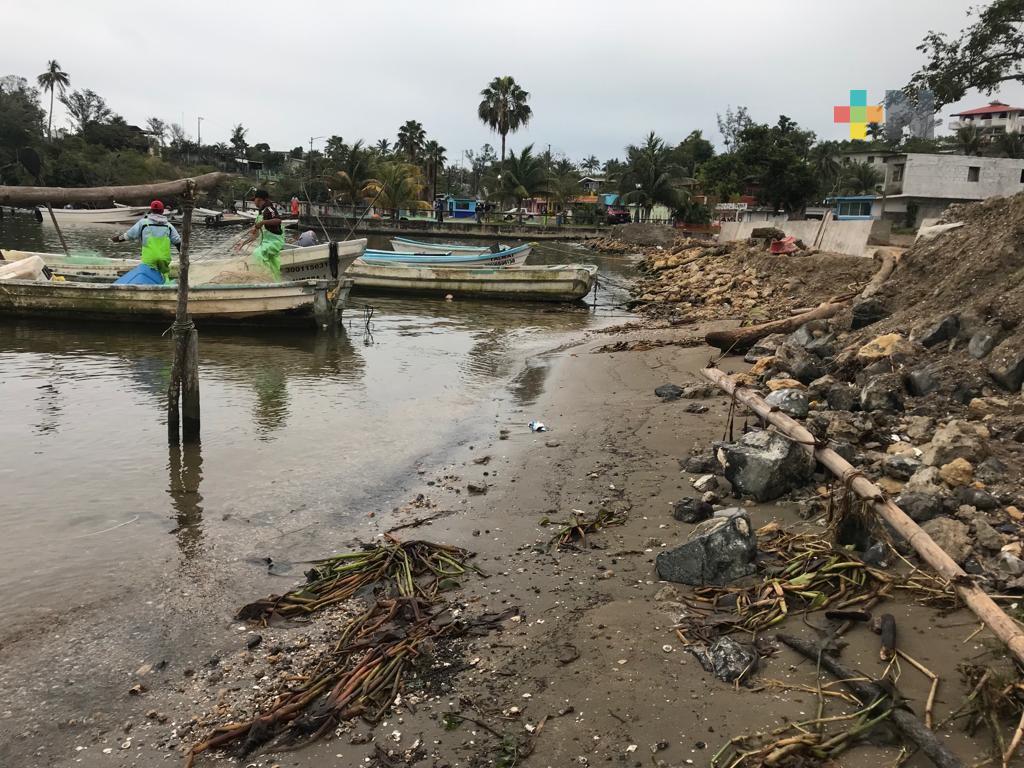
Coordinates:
column 332, row 258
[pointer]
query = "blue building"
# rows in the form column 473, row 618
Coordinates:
column 851, row 207
column 460, row 207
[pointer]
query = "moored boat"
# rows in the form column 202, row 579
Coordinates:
column 407, row 245
column 122, row 214
column 509, row 257
column 562, row 282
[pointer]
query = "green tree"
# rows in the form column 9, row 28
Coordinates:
column 564, row 188
column 650, row 177
column 434, row 159
column 53, row 79
column 238, row 139
column 724, row 176
column 732, row 124
column 383, row 147
column 503, row 108
column 524, row 176
column 157, row 128
column 21, row 126
column 987, row 54
column 411, row 138
column 875, row 131
column 1010, row 144
column 398, row 185
column 296, row 153
column 353, row 180
column 590, row 164
column 826, row 167
column 692, row 152
column 861, row 179
column 969, row 140
column 335, row 149
column 85, row 107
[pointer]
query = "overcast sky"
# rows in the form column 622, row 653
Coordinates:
column 600, row 74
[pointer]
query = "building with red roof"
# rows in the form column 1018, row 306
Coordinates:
column 991, row 120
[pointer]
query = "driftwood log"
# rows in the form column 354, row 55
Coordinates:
column 868, row 692
column 1001, row 625
column 742, row 339
column 138, row 193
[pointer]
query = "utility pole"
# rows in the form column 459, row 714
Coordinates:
column 199, row 132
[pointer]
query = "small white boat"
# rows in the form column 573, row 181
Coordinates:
column 121, row 214
column 508, row 257
column 407, row 245
column 561, row 282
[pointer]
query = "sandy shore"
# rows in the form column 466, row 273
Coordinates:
column 594, row 657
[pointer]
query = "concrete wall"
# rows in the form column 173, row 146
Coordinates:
column 945, row 176
column 848, row 237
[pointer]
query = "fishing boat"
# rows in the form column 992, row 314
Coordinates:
column 293, row 303
column 562, row 282
column 407, row 245
column 509, row 257
column 121, row 214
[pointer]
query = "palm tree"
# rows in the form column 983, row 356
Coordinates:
column 826, row 168
column 1010, row 144
column 564, row 188
column 524, row 176
column 398, row 185
column 411, row 138
column 435, row 158
column 861, row 179
column 504, row 108
column 590, row 164
column 54, row 78
column 875, row 131
column 968, row 139
column 383, row 147
column 354, row 179
column 649, row 176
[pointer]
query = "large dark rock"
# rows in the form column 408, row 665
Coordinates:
column 991, row 470
column 691, row 510
column 868, row 311
column 944, row 330
column 976, row 497
column 882, row 393
column 792, row 402
column 798, row 363
column 725, row 659
column 718, row 551
column 952, row 535
column 764, row 465
column 843, row 397
column 1007, row 369
column 957, row 439
column 900, row 467
column 669, row 391
column 920, row 382
column 922, row 507
column 764, row 347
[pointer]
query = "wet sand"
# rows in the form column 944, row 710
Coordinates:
column 594, row 645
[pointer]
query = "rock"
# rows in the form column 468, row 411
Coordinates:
column 981, row 344
column 797, row 362
column 669, row 391
column 696, row 408
column 921, row 506
column 792, row 402
column 919, row 428
column 957, row 472
column 764, row 348
column 900, row 467
column 977, row 498
column 987, row 536
column 951, row 535
column 965, row 391
column 765, row 465
column 868, row 311
column 690, row 510
column 824, row 347
column 701, row 464
column 700, row 391
column 843, row 397
column 818, row 389
column 957, row 439
column 477, row 489
column 844, row 449
column 887, row 346
column 1007, row 366
column 774, row 385
column 920, row 382
column 717, row 552
column 668, row 594
column 725, row 659
column 926, row 479
column 991, row 470
column 253, row 640
column 890, row 485
column 1010, row 563
column 901, row 449
column 705, row 483
column 882, row 393
column 947, row 328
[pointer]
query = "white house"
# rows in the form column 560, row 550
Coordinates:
column 991, row 120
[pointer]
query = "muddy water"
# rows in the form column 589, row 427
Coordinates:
column 303, row 433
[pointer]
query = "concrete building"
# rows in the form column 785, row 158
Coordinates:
column 991, row 120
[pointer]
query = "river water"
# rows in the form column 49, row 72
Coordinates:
column 303, row 432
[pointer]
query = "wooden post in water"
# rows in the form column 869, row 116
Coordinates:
column 56, row 226
column 184, row 386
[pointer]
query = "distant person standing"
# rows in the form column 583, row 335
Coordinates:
column 307, row 239
column 157, row 235
column 295, row 207
column 270, row 228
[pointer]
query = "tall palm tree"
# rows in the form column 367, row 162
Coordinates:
column 650, row 175
column 383, row 147
column 411, row 138
column 54, row 78
column 875, row 131
column 826, row 168
column 590, row 164
column 398, row 185
column 504, row 108
column 433, row 154
column 353, row 180
column 861, row 179
column 1010, row 144
column 968, row 139
column 524, row 176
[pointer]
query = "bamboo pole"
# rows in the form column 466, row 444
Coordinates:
column 137, row 193
column 184, row 385
column 1001, row 625
column 63, row 242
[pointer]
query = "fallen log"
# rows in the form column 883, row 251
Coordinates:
column 742, row 339
column 1001, row 625
column 137, row 193
column 868, row 693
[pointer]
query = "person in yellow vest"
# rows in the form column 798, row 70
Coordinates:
column 270, row 228
column 157, row 235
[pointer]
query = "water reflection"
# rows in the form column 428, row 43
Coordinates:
column 185, row 469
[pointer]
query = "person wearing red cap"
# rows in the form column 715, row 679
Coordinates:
column 157, row 235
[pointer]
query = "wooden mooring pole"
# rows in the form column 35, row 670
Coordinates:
column 184, row 386
column 63, row 242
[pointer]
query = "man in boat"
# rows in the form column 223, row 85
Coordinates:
column 270, row 229
column 157, row 235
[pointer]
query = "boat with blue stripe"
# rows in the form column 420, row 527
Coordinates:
column 509, row 257
column 407, row 245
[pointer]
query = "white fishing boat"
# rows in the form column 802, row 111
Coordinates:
column 70, row 217
column 507, row 257
column 408, row 245
column 561, row 282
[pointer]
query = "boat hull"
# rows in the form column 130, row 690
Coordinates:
column 510, row 257
column 570, row 282
column 405, row 245
column 73, row 217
